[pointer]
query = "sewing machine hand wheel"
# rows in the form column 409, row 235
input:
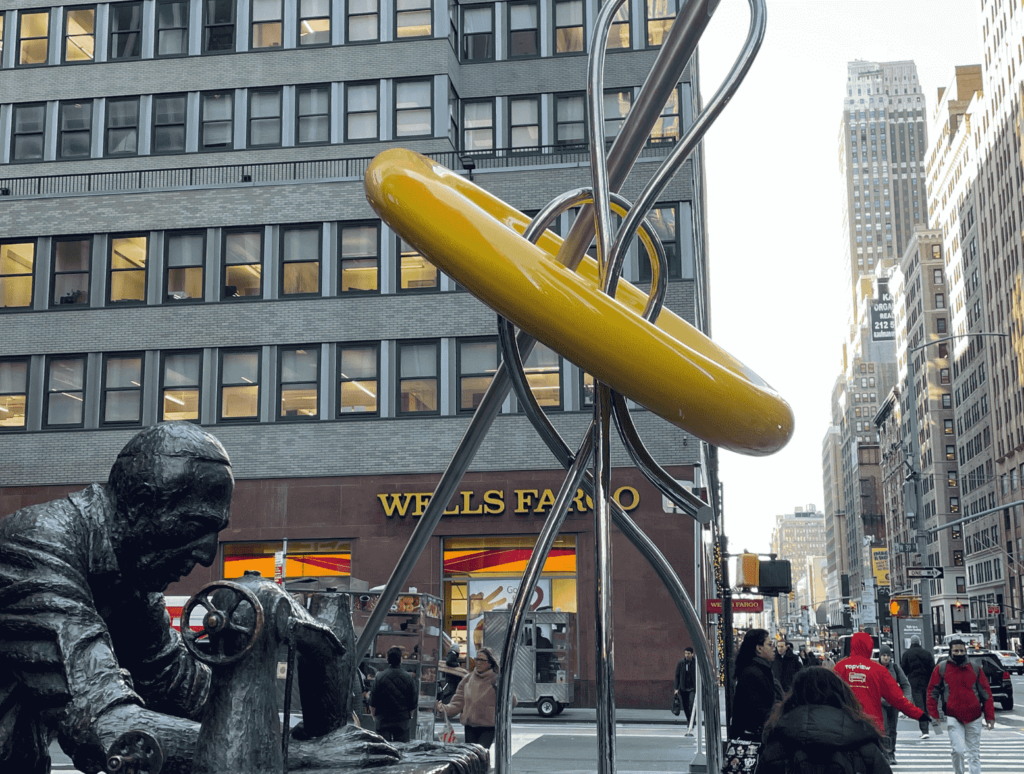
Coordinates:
column 135, row 752
column 227, row 638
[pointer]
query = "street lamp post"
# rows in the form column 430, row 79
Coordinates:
column 912, row 481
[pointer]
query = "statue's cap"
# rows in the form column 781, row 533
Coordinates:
column 176, row 439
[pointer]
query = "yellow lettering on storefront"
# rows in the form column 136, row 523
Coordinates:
column 523, row 499
column 578, row 502
column 546, row 501
column 527, row 501
column 422, row 501
column 394, row 503
column 466, row 497
column 634, row 502
column 494, row 501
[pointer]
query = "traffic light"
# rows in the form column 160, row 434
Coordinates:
column 905, row 607
column 747, row 571
column 915, row 607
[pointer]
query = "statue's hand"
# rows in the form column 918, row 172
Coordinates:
column 348, row 746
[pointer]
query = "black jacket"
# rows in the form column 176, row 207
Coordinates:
column 918, row 664
column 393, row 696
column 785, row 669
column 686, row 675
column 817, row 727
column 757, row 690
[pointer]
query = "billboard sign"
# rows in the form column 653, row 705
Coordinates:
column 883, row 319
column 880, row 565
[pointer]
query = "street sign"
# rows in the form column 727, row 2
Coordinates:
column 738, row 606
column 905, row 548
column 993, row 609
column 925, row 572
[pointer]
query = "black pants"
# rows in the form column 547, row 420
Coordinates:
column 481, row 735
column 891, row 716
column 920, row 703
column 688, row 697
column 395, row 733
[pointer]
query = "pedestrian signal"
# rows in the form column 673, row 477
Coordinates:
column 905, row 607
column 747, row 571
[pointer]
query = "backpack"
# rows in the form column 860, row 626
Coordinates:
column 826, row 760
column 944, row 688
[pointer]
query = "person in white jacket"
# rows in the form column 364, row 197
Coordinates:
column 474, row 699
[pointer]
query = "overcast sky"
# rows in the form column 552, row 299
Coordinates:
column 774, row 211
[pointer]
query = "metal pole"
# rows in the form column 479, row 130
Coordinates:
column 912, row 496
column 725, row 594
column 603, row 642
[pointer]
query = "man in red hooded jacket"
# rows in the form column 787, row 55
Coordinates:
column 871, row 682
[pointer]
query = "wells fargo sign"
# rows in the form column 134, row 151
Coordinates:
column 494, row 502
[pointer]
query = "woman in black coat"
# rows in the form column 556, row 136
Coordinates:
column 819, row 718
column 757, row 690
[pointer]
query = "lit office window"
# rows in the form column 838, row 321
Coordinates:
column 478, row 125
column 125, row 31
column 524, row 30
column 359, row 258
column 413, row 18
column 181, row 379
column 172, row 27
column 358, row 368
column 414, row 271
column 362, row 21
column 33, row 38
column 568, row 26
column 587, row 388
column 239, row 385
column 75, row 130
column 616, row 108
column 300, row 261
column 313, row 115
column 122, row 127
column 477, row 33
column 299, row 379
column 218, row 26
column 570, row 119
column 127, row 280
column 185, row 259
column 71, row 265
column 544, row 374
column 217, row 121
column 478, row 361
column 17, row 260
column 264, row 118
column 267, row 23
column 417, row 377
column 122, row 389
column 361, row 111
column 169, row 123
column 660, row 15
column 79, row 35
column 524, row 123
column 28, row 132
column 13, row 393
column 618, row 35
column 314, row 22
column 243, row 264
column 65, row 391
column 667, row 127
column 413, row 112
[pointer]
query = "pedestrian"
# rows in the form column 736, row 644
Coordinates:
column 474, row 699
column 871, row 682
column 786, row 665
column 757, row 691
column 393, row 699
column 820, row 724
column 889, row 712
column 961, row 692
column 918, row 665
column 451, row 675
column 686, row 683
column 807, row 657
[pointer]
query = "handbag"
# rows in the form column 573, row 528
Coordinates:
column 448, row 734
column 677, row 704
column 740, row 756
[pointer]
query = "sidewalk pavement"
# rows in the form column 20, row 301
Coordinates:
column 585, row 715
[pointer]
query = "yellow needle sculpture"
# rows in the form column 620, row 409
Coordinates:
column 669, row 367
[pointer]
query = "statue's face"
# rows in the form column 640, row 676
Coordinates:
column 163, row 547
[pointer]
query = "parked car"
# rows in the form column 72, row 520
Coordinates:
column 1011, row 661
column 997, row 676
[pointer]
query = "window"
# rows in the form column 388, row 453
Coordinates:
column 218, row 26
column 239, row 385
column 33, row 38
column 243, row 264
column 362, row 21
column 616, row 107
column 478, row 125
column 79, row 35
column 940, row 301
column 185, row 259
column 417, row 377
column 951, row 453
column 300, row 261
column 17, row 260
column 65, row 391
column 587, row 388
column 954, row 505
column 169, row 123
column 358, row 366
column 172, row 27
column 361, row 111
column 478, row 33
column 947, row 400
column 264, row 118
column 570, row 119
column 413, row 18
column 299, row 379
column 313, row 115
column 181, row 378
column 667, row 127
column 266, row 23
column 940, row 324
column 75, row 139
column 29, row 127
column 664, row 221
column 936, row 276
column 944, row 379
column 523, row 30
column 568, row 26
column 478, row 361
column 125, row 31
column 122, row 127
column 122, row 389
column 359, row 258
column 71, row 264
column 453, row 116
column 413, row 109
column 544, row 374
column 314, row 22
column 127, row 281
column 13, row 393
column 524, row 123
column 414, row 271
column 215, row 133
column 660, row 15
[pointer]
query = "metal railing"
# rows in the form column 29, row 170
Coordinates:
column 287, row 171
